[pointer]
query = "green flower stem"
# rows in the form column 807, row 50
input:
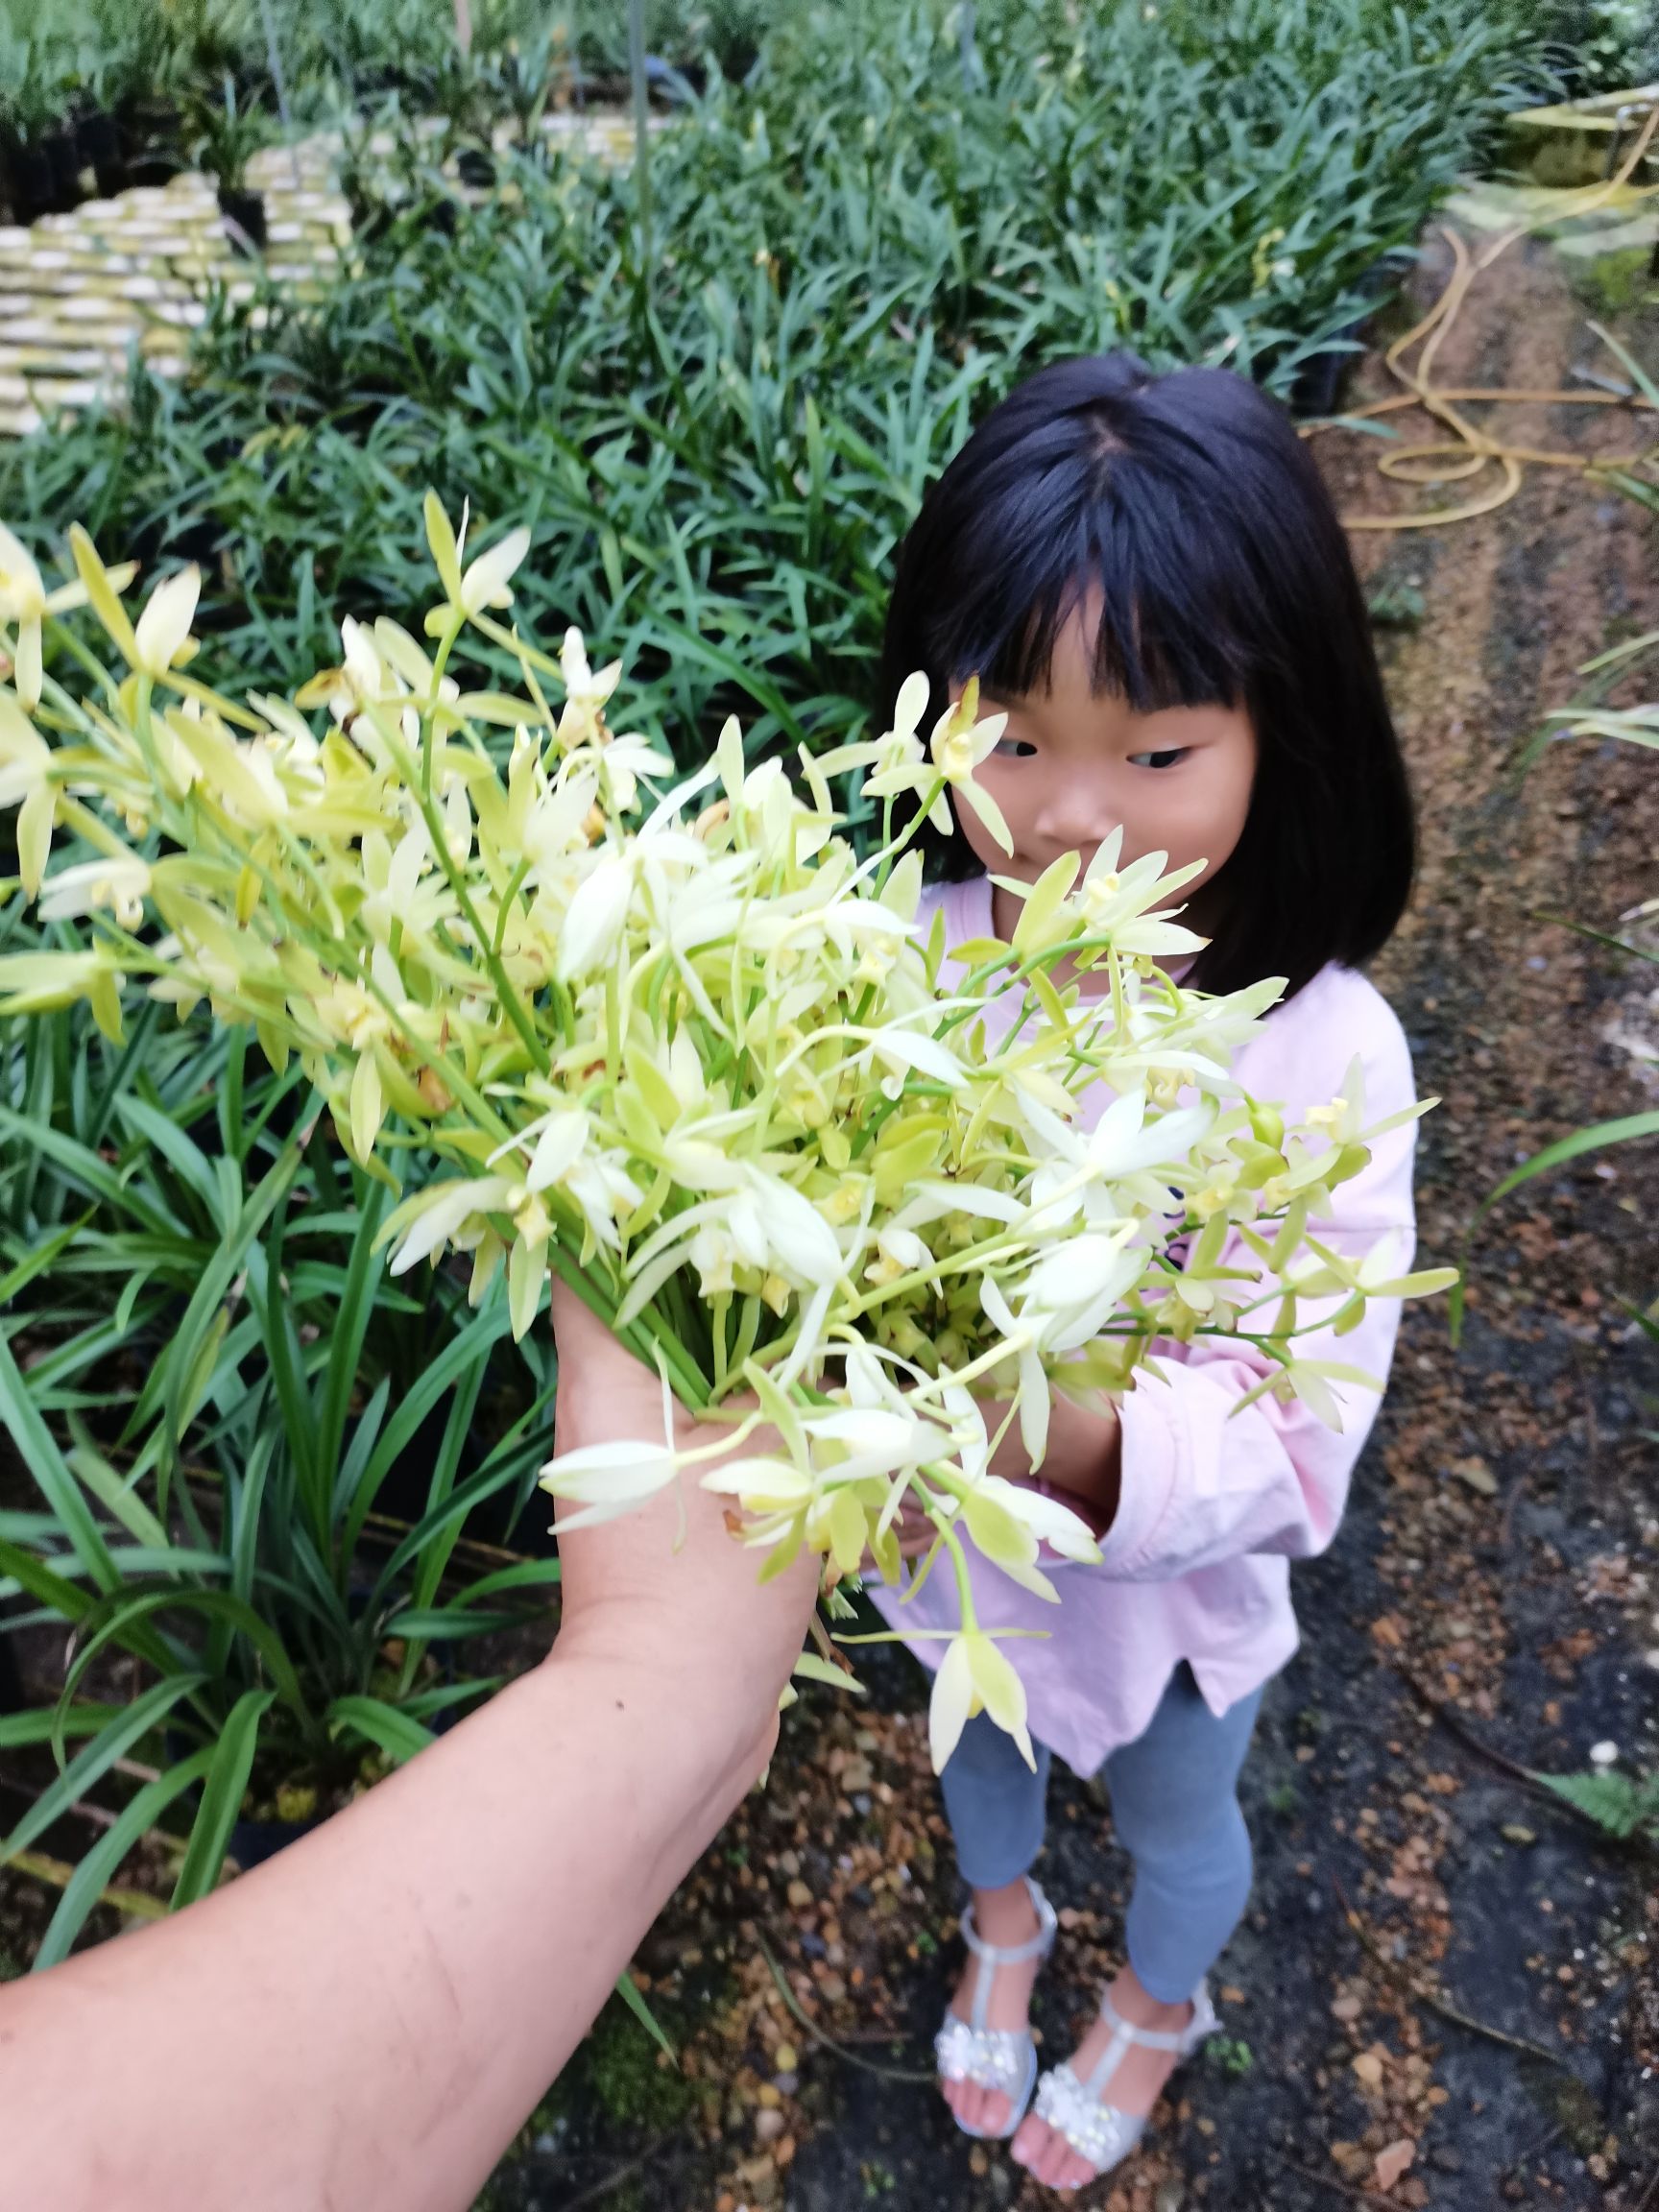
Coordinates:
column 506, row 902
column 511, row 642
column 614, row 1022
column 145, row 733
column 452, row 631
column 227, row 709
column 893, row 848
column 81, row 818
column 689, row 1384
column 509, row 998
column 964, row 1581
column 62, row 634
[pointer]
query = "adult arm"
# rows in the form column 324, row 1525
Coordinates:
column 367, row 2019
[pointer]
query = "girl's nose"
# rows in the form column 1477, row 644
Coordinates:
column 1076, row 817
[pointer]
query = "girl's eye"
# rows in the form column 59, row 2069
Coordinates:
column 1012, row 748
column 1164, row 760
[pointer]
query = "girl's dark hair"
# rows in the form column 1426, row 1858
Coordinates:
column 1189, row 501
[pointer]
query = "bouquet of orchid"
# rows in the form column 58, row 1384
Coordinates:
column 677, row 1040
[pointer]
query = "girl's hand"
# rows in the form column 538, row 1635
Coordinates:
column 1083, row 1461
column 665, row 1590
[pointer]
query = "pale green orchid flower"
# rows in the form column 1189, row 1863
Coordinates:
column 959, row 743
column 25, row 601
column 26, row 781
column 163, row 630
column 119, row 882
column 974, row 1677
column 426, row 1220
column 595, row 918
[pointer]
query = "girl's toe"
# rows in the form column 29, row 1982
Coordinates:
column 1057, row 2161
column 1029, row 2138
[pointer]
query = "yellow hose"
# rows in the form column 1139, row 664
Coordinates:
column 1471, row 449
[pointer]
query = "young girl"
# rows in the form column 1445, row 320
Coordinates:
column 1147, row 575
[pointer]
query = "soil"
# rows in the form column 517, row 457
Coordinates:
column 1444, row 1993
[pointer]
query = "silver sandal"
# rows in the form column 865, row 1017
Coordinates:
column 1100, row 2133
column 1000, row 2058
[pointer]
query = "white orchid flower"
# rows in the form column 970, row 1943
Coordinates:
column 1114, row 901
column 434, row 1215
column 605, row 1190
column 484, row 583
column 873, row 1440
column 26, row 781
column 974, row 1677
column 121, row 883
column 596, row 919
column 606, row 1480
column 163, row 627
column 25, row 603
column 1066, row 1302
column 959, row 743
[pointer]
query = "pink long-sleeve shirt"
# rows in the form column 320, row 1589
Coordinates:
column 1197, row 1563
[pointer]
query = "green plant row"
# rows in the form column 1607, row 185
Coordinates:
column 252, row 1458
column 719, row 430
column 66, row 55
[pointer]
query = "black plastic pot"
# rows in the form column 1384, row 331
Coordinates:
column 151, row 169
column 1319, row 381
column 1322, row 379
column 100, row 144
column 253, row 1842
column 147, row 127
column 10, row 1673
column 33, row 186
column 243, row 214
column 62, row 153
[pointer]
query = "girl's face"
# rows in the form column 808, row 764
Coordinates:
column 1073, row 764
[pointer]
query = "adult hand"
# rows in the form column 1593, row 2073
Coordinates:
column 666, row 1591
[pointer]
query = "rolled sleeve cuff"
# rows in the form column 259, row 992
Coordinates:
column 1149, row 1418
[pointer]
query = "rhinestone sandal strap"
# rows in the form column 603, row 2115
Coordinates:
column 1098, row 2133
column 992, row 2057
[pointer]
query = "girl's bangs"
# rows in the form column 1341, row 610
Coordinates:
column 1154, row 647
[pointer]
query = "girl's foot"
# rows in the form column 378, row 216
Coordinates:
column 1109, row 2121
column 986, row 2078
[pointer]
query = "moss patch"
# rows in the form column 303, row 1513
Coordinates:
column 1615, row 283
column 631, row 2078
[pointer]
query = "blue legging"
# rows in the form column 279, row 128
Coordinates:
column 1174, row 1805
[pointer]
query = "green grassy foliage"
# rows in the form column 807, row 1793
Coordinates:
column 720, row 438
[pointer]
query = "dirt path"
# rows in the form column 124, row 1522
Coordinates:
column 1500, row 1562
